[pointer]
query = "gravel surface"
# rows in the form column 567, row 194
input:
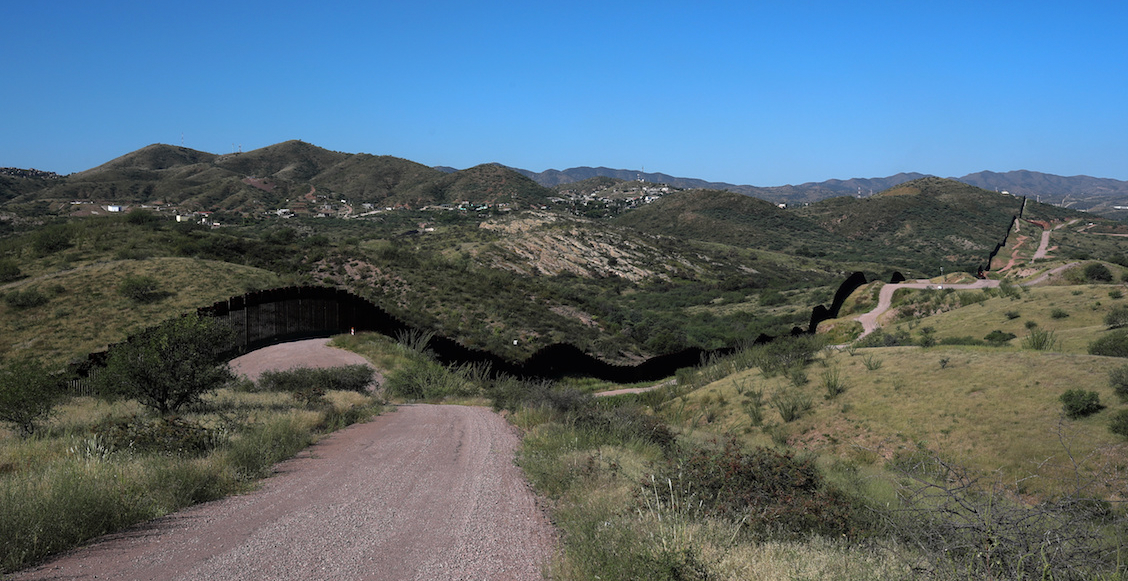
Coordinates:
column 305, row 353
column 421, row 492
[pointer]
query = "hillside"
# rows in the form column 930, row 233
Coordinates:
column 291, row 175
column 928, row 222
column 1098, row 195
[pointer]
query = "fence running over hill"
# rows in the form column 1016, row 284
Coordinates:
column 278, row 315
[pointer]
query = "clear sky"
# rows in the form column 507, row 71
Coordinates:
column 750, row 92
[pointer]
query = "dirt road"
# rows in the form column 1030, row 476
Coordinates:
column 422, row 492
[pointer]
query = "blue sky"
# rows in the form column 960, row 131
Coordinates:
column 761, row 93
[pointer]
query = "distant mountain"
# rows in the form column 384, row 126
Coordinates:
column 272, row 177
column 1080, row 192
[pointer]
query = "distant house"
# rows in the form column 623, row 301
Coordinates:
column 113, row 208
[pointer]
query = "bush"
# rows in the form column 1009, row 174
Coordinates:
column 171, row 365
column 1078, row 403
column 1057, row 313
column 9, row 270
column 141, row 289
column 1118, row 381
column 998, row 338
column 163, row 435
column 1112, row 344
column 1097, row 272
column 27, row 299
column 342, row 378
column 1117, row 317
column 771, row 493
column 1119, row 423
column 27, row 394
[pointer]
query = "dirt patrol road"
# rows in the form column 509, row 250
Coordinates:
column 421, row 492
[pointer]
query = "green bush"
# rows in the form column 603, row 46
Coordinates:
column 28, row 393
column 141, row 289
column 998, row 337
column 1117, row 317
column 1097, row 272
column 171, row 365
column 1058, row 313
column 1119, row 423
column 1118, row 381
column 1078, row 403
column 9, row 270
column 26, row 299
column 172, row 435
column 341, row 378
column 1112, row 344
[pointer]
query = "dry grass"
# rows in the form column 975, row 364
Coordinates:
column 86, row 312
column 991, row 409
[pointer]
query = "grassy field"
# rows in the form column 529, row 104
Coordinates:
column 76, row 304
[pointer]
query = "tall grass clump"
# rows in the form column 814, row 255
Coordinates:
column 252, row 453
column 1040, row 340
column 833, row 382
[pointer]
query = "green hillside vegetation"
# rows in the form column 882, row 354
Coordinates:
column 270, row 178
column 732, row 219
column 927, row 222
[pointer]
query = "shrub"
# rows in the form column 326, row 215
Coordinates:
column 998, row 338
column 27, row 299
column 1097, row 272
column 1115, row 294
column 1117, row 317
column 163, row 435
column 1012, row 315
column 1119, row 423
column 927, row 337
column 771, row 493
column 27, row 394
column 171, row 365
column 341, row 378
column 1118, row 381
column 872, row 363
column 141, row 289
column 1112, row 344
column 9, row 270
column 1078, row 403
column 1058, row 313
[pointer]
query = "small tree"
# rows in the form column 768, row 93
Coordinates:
column 170, row 365
column 28, row 392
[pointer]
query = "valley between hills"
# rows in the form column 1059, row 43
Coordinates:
column 977, row 428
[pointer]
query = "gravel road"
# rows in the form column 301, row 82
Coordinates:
column 421, row 492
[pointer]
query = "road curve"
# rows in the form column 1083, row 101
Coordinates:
column 869, row 320
column 424, row 492
column 885, row 299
